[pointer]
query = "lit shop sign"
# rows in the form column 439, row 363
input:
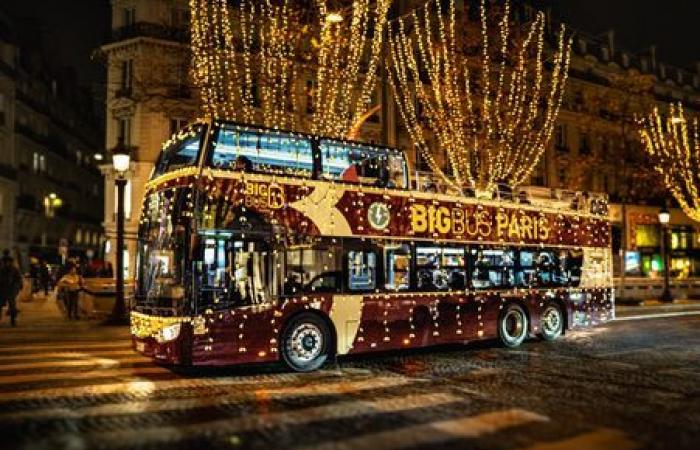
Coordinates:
column 264, row 195
column 485, row 224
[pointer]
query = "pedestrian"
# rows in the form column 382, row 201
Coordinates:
column 70, row 286
column 44, row 277
column 10, row 286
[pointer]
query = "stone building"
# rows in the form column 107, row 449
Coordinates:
column 595, row 146
column 50, row 187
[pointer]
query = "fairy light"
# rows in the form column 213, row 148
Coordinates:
column 496, row 133
column 673, row 145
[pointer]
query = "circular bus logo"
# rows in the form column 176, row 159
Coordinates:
column 378, row 215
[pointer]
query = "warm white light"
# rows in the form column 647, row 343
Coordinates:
column 98, row 157
column 334, row 17
column 121, row 161
column 664, row 217
column 676, row 120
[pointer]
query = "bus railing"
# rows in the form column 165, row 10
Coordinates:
column 562, row 199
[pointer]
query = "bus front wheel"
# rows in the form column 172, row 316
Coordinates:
column 306, row 342
column 552, row 322
column 512, row 326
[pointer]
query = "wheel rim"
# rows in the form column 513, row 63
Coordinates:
column 305, row 343
column 551, row 321
column 513, row 325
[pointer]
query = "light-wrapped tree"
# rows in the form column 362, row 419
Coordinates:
column 490, row 105
column 672, row 142
column 251, row 61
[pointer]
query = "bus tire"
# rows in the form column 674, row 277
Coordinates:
column 551, row 322
column 512, row 326
column 306, row 342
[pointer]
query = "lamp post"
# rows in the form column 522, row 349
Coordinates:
column 121, row 160
column 664, row 218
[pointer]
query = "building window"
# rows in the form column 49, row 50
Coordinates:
column 647, row 236
column 35, row 162
column 124, row 130
column 560, row 139
column 79, row 236
column 127, row 77
column 42, row 163
column 584, row 144
column 127, row 200
column 176, row 125
column 129, row 16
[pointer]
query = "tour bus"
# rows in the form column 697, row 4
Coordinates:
column 260, row 245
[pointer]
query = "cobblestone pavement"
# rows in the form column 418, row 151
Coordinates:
column 630, row 384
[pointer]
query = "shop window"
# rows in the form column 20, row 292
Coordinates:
column 492, row 268
column 397, row 267
column 312, row 270
column 440, row 268
column 362, row 270
column 647, row 236
column 681, row 239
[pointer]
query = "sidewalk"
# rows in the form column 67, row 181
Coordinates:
column 655, row 307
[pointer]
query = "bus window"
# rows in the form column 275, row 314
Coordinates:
column 263, row 152
column 362, row 270
column 352, row 163
column 182, row 151
column 539, row 268
column 440, row 268
column 571, row 262
column 492, row 268
column 312, row 270
column 397, row 267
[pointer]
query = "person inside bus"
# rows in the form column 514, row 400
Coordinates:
column 457, row 280
column 243, row 164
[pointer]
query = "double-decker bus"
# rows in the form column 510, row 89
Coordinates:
column 259, row 245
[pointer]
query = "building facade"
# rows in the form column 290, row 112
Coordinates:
column 595, row 147
column 50, row 187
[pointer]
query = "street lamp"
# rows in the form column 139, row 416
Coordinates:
column 121, row 160
column 664, row 219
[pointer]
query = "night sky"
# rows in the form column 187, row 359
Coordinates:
column 74, row 28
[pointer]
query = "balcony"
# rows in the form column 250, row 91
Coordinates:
column 151, row 30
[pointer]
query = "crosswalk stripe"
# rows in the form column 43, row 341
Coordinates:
column 249, row 422
column 143, row 388
column 603, row 439
column 150, row 406
column 67, row 345
column 64, row 355
column 95, row 374
column 436, row 432
column 99, row 362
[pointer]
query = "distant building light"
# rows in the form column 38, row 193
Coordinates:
column 99, row 157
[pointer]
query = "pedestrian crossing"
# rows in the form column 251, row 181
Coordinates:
column 91, row 394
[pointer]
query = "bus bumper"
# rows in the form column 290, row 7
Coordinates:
column 165, row 339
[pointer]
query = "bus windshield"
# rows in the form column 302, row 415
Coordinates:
column 181, row 151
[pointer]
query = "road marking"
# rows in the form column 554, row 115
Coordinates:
column 250, row 422
column 143, row 388
column 603, row 439
column 95, row 374
column 151, row 406
column 104, row 363
column 65, row 355
column 437, row 432
column 66, row 345
column 659, row 315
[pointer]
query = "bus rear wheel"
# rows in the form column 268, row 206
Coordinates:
column 512, row 326
column 551, row 322
column 306, row 342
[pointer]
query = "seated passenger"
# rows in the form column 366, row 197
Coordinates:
column 292, row 285
column 243, row 164
column 457, row 280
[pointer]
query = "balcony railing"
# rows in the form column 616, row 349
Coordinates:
column 152, row 30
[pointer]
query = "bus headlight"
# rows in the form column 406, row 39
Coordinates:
column 169, row 333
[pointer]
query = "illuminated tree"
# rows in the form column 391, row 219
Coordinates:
column 249, row 61
column 491, row 107
column 673, row 144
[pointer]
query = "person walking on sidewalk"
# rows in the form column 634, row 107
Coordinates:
column 10, row 286
column 70, row 286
